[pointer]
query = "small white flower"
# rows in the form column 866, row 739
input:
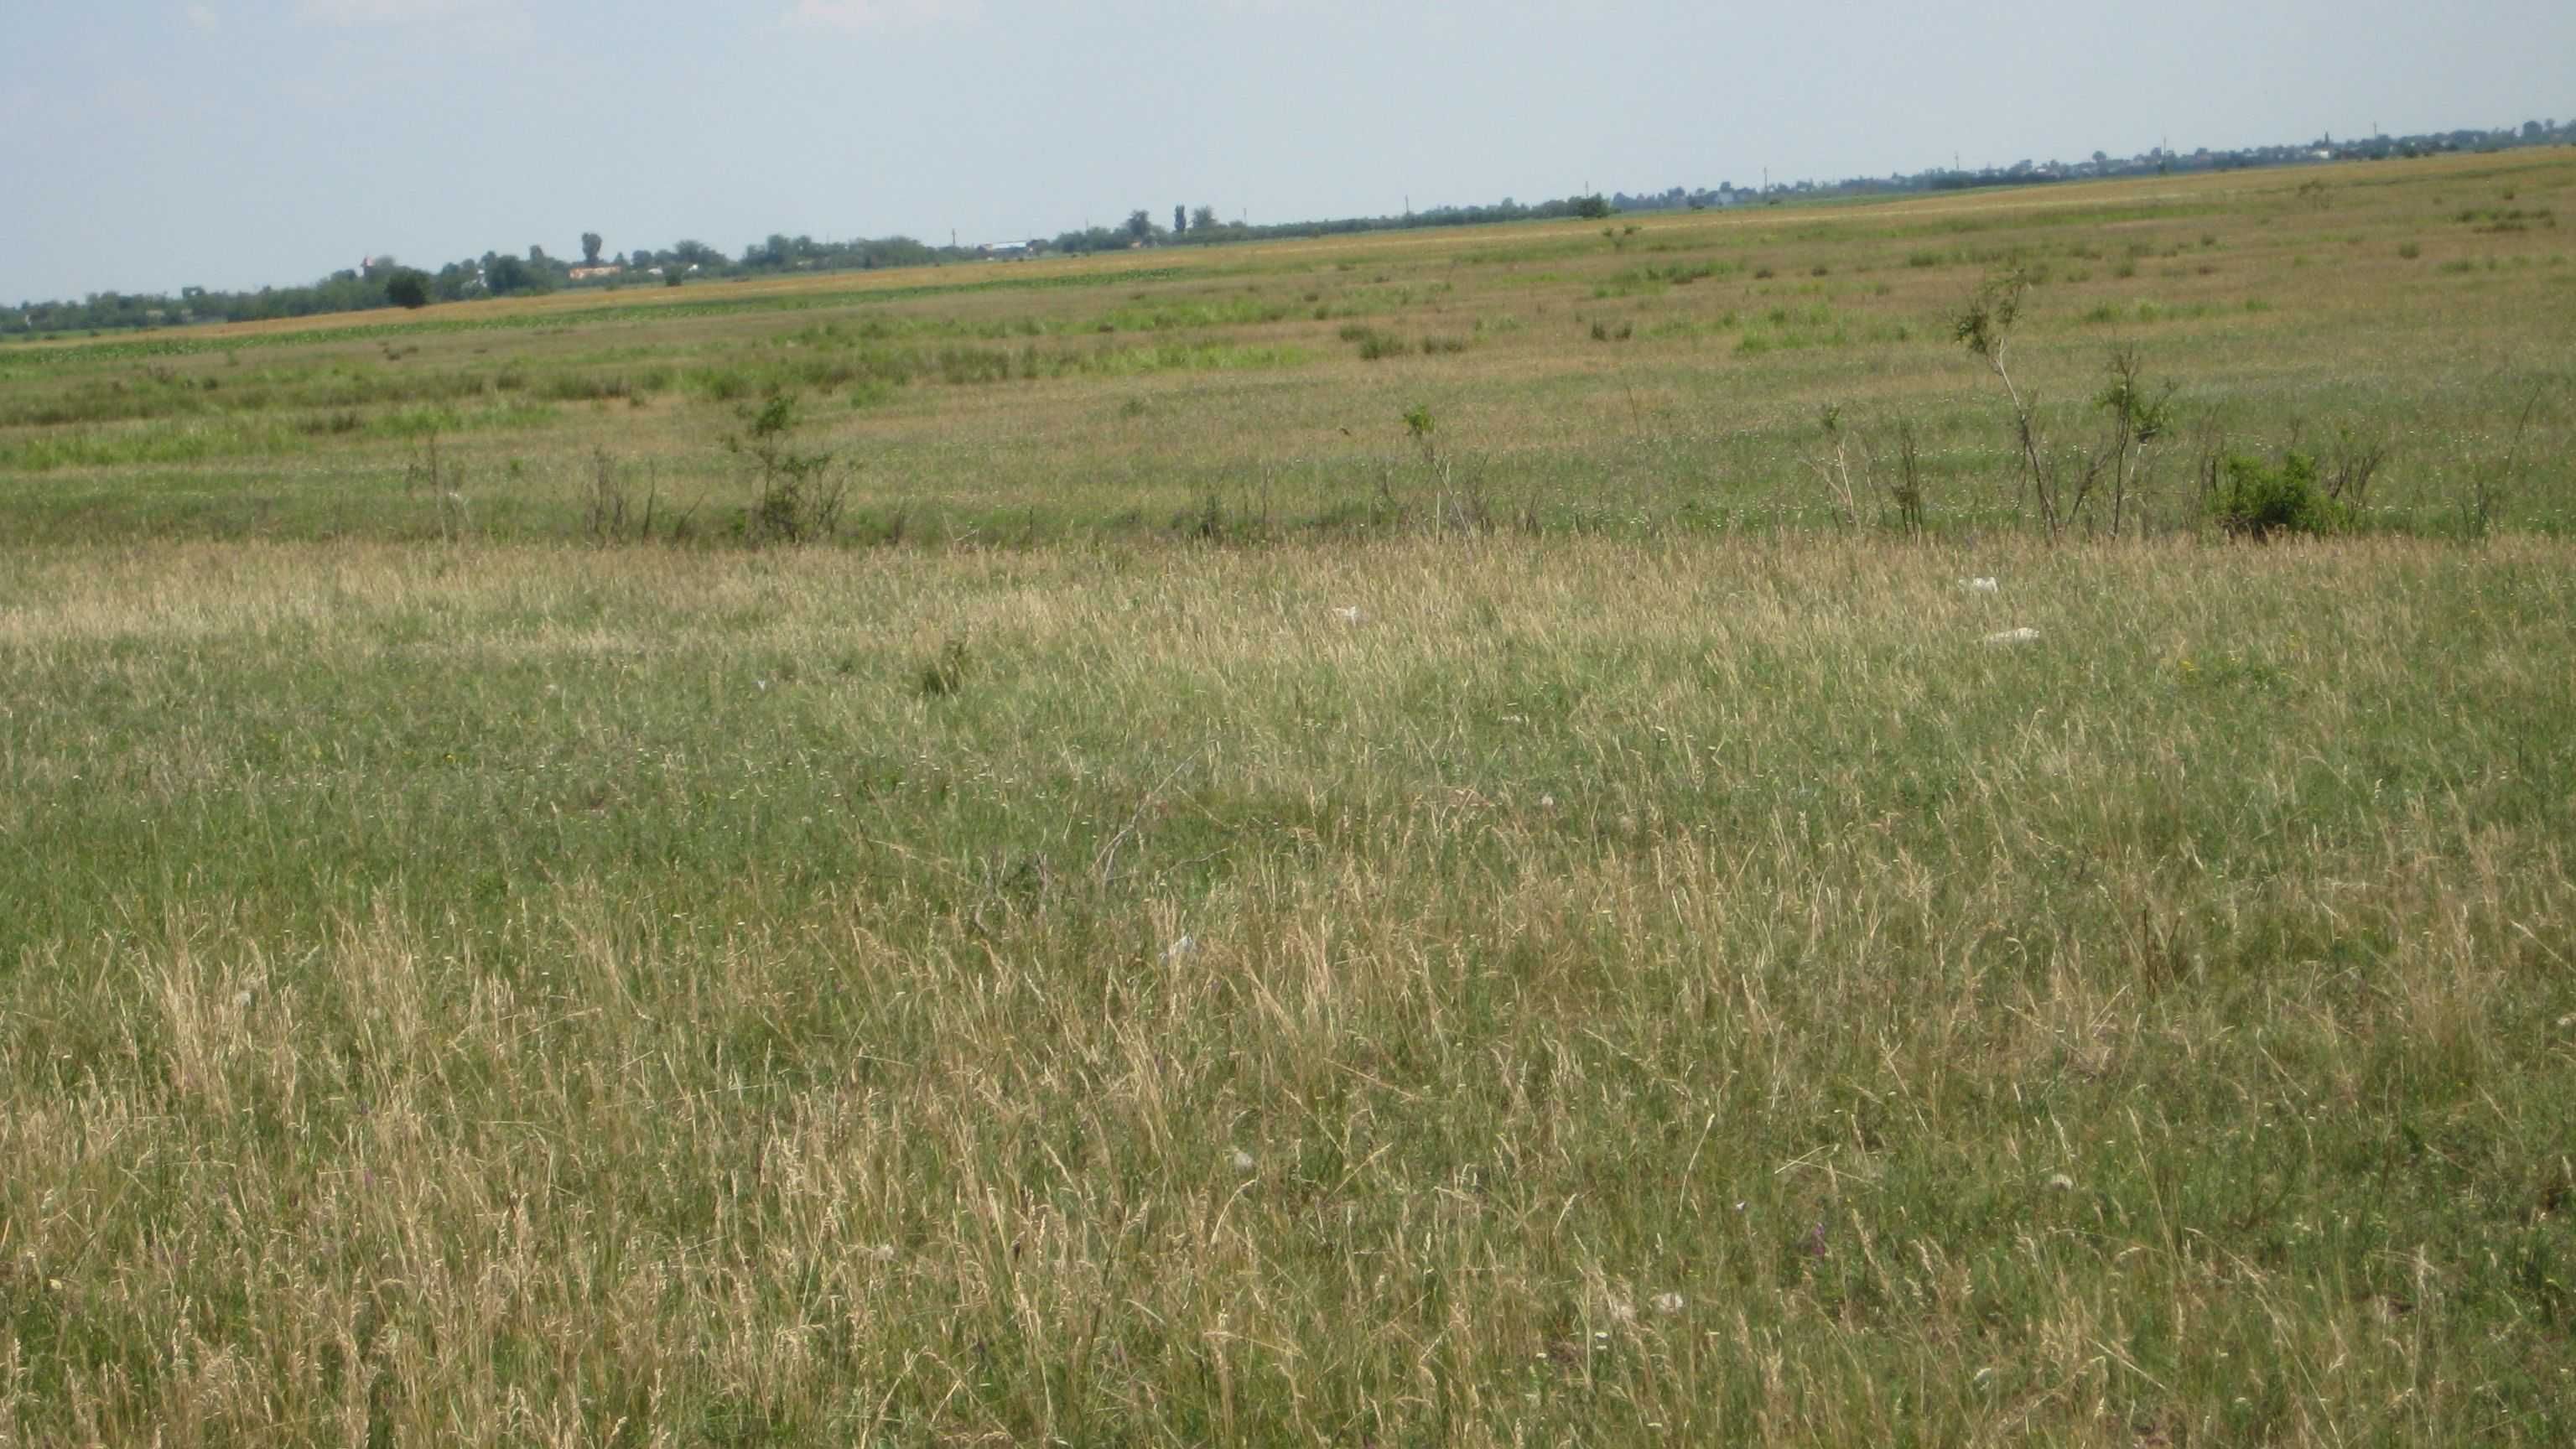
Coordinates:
column 243, row 998
column 2060, row 1182
column 1243, row 1161
column 1547, row 802
column 882, row 1252
column 1669, row 1304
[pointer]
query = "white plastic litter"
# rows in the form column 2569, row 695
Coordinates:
column 2014, row 636
column 1350, row 614
column 1983, row 585
column 1182, row 949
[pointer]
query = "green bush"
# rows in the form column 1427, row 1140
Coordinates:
column 2259, row 500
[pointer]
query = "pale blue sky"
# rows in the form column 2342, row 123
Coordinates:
column 228, row 143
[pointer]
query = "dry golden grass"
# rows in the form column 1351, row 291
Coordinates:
column 1598, row 991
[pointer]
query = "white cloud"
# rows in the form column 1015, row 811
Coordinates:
column 867, row 15
column 204, row 19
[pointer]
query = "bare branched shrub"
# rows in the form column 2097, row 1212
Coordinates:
column 444, row 482
column 2140, row 415
column 2490, row 486
column 2350, row 465
column 1905, row 491
column 799, row 500
column 1984, row 325
column 2064, row 485
column 609, row 511
column 1843, row 470
column 1459, row 501
column 1850, row 472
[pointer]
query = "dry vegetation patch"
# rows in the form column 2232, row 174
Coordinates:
column 1462, row 989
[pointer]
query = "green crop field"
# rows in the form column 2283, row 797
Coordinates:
column 1515, row 836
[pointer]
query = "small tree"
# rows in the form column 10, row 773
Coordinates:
column 1203, row 219
column 1140, row 224
column 1180, row 220
column 590, row 245
column 408, row 288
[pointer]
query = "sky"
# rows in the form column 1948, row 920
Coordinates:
column 234, row 143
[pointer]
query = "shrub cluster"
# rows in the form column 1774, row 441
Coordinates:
column 2260, row 500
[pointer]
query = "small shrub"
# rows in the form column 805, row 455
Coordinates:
column 2260, row 500
column 2410, row 251
column 798, row 499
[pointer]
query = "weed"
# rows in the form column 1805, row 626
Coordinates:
column 797, row 498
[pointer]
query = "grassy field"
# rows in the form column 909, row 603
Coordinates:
column 1216, row 929
column 1667, row 376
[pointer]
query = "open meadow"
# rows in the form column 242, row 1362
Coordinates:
column 1515, row 836
column 1639, row 377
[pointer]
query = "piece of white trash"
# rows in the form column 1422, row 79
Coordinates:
column 1979, row 585
column 2014, row 636
column 1349, row 614
column 1243, row 1160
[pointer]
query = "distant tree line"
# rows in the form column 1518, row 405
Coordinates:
column 1199, row 226
column 382, row 282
